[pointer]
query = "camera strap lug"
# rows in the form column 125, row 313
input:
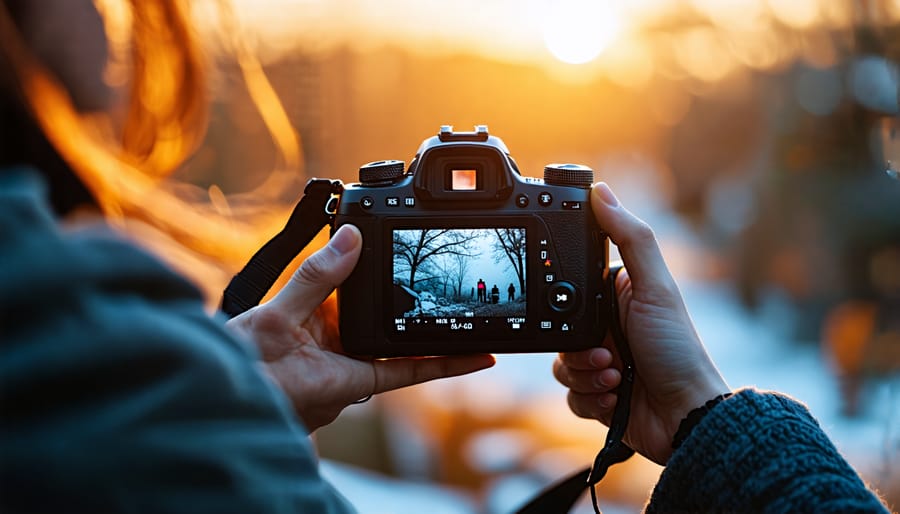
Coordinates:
column 315, row 209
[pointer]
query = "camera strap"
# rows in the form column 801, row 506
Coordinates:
column 561, row 496
column 315, row 209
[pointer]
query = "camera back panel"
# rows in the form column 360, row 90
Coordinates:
column 461, row 254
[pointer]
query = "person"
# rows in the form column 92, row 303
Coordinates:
column 482, row 291
column 120, row 393
column 723, row 450
column 511, row 292
column 495, row 294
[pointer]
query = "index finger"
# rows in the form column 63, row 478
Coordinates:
column 401, row 372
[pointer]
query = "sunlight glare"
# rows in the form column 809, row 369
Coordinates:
column 577, row 31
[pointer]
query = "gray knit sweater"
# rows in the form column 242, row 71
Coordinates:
column 119, row 394
column 760, row 452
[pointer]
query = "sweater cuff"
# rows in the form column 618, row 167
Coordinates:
column 759, row 452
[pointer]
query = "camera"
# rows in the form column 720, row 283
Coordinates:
column 464, row 254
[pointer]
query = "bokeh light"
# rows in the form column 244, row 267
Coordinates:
column 577, row 31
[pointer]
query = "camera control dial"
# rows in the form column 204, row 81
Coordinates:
column 561, row 296
column 380, row 173
column 576, row 175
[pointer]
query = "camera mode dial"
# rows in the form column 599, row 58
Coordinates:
column 380, row 173
column 576, row 175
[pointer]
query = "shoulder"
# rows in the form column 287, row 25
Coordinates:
column 80, row 305
column 95, row 297
column 54, row 278
column 111, row 372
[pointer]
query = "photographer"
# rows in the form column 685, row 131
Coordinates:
column 119, row 393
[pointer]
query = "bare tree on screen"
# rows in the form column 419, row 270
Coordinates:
column 415, row 250
column 510, row 244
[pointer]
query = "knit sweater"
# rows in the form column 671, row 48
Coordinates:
column 118, row 393
column 760, row 452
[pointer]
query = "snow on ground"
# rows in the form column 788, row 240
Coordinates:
column 372, row 493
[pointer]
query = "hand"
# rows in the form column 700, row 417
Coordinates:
column 674, row 373
column 298, row 338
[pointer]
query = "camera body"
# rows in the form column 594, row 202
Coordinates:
column 462, row 254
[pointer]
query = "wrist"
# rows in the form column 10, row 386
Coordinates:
column 696, row 397
column 694, row 418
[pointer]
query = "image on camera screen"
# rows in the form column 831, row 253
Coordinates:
column 451, row 279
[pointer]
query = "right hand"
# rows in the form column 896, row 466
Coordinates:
column 674, row 374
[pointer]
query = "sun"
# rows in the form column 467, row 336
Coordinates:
column 577, row 31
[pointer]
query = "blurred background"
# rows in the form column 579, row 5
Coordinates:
column 749, row 133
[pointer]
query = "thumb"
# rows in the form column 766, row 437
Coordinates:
column 320, row 273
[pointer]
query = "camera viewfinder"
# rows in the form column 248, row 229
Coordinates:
column 463, row 180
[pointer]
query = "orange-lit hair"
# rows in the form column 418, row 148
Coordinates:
column 166, row 116
column 165, row 121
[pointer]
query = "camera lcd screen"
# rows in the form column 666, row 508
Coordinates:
column 463, row 180
column 453, row 280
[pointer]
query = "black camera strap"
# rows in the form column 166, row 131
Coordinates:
column 315, row 209
column 561, row 496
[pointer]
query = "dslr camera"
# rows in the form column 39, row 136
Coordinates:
column 463, row 254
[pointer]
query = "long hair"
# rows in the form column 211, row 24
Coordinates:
column 166, row 116
column 165, row 121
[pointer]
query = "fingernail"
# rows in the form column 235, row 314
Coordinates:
column 344, row 240
column 598, row 382
column 606, row 194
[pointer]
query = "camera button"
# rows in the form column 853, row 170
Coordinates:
column 409, row 201
column 392, row 201
column 545, row 199
column 571, row 206
column 561, row 296
column 546, row 325
column 545, row 260
column 549, row 277
column 366, row 202
column 522, row 200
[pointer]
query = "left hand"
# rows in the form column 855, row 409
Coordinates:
column 673, row 372
column 298, row 338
